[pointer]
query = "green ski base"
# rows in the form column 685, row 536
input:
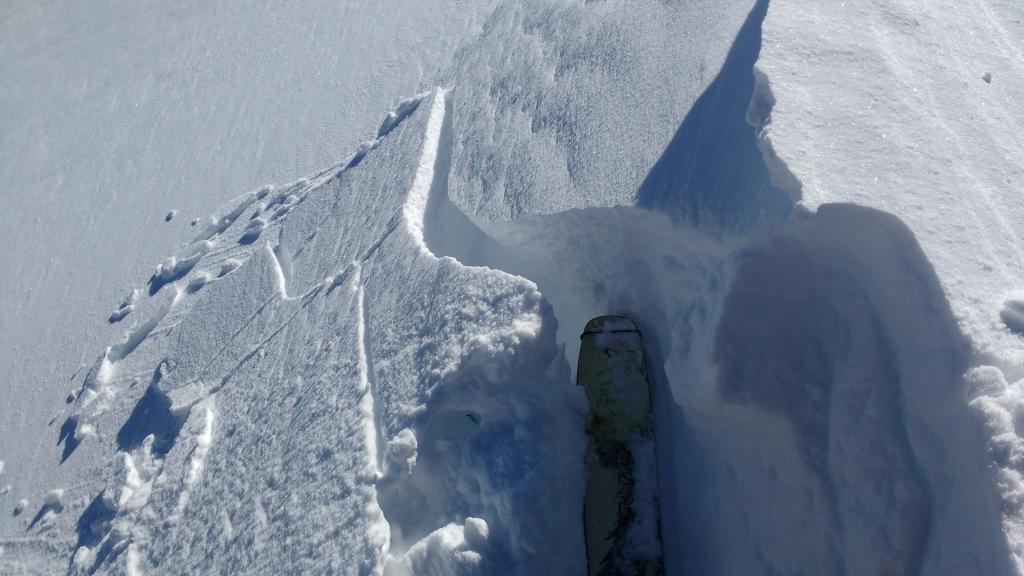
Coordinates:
column 612, row 372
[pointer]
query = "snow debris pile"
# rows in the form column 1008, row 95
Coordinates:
column 368, row 371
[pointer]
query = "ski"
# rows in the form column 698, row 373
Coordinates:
column 620, row 509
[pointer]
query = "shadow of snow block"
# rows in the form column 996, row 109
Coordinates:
column 95, row 520
column 67, row 436
column 713, row 172
column 151, row 415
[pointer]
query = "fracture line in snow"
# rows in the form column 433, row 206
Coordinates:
column 430, row 184
column 369, row 406
column 367, row 379
column 280, row 281
column 392, row 226
column 415, row 207
column 281, row 284
column 256, row 350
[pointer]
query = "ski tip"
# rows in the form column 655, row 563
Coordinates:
column 610, row 324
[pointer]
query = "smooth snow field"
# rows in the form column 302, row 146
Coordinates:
column 256, row 323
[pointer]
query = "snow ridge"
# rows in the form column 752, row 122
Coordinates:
column 367, row 378
column 415, row 207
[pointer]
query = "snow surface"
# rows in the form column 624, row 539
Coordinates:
column 113, row 114
column 368, row 370
column 912, row 108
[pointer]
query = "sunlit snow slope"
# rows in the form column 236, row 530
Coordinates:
column 214, row 470
column 114, row 114
column 368, row 370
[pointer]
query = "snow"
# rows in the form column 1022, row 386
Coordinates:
column 568, row 105
column 448, row 550
column 125, row 308
column 113, row 115
column 922, row 95
column 642, row 533
column 308, row 351
column 1012, row 314
column 364, row 364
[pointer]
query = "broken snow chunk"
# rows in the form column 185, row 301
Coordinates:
column 83, row 431
column 357, row 157
column 170, row 215
column 1, row 467
column 985, row 381
column 126, row 307
column 6, row 488
column 228, row 267
column 198, row 281
column 395, row 117
column 82, row 558
column 402, row 449
column 1013, row 314
column 20, row 507
column 173, row 268
column 166, row 269
column 476, row 532
column 253, row 230
column 53, row 503
column 54, row 499
column 120, row 313
column 444, row 551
